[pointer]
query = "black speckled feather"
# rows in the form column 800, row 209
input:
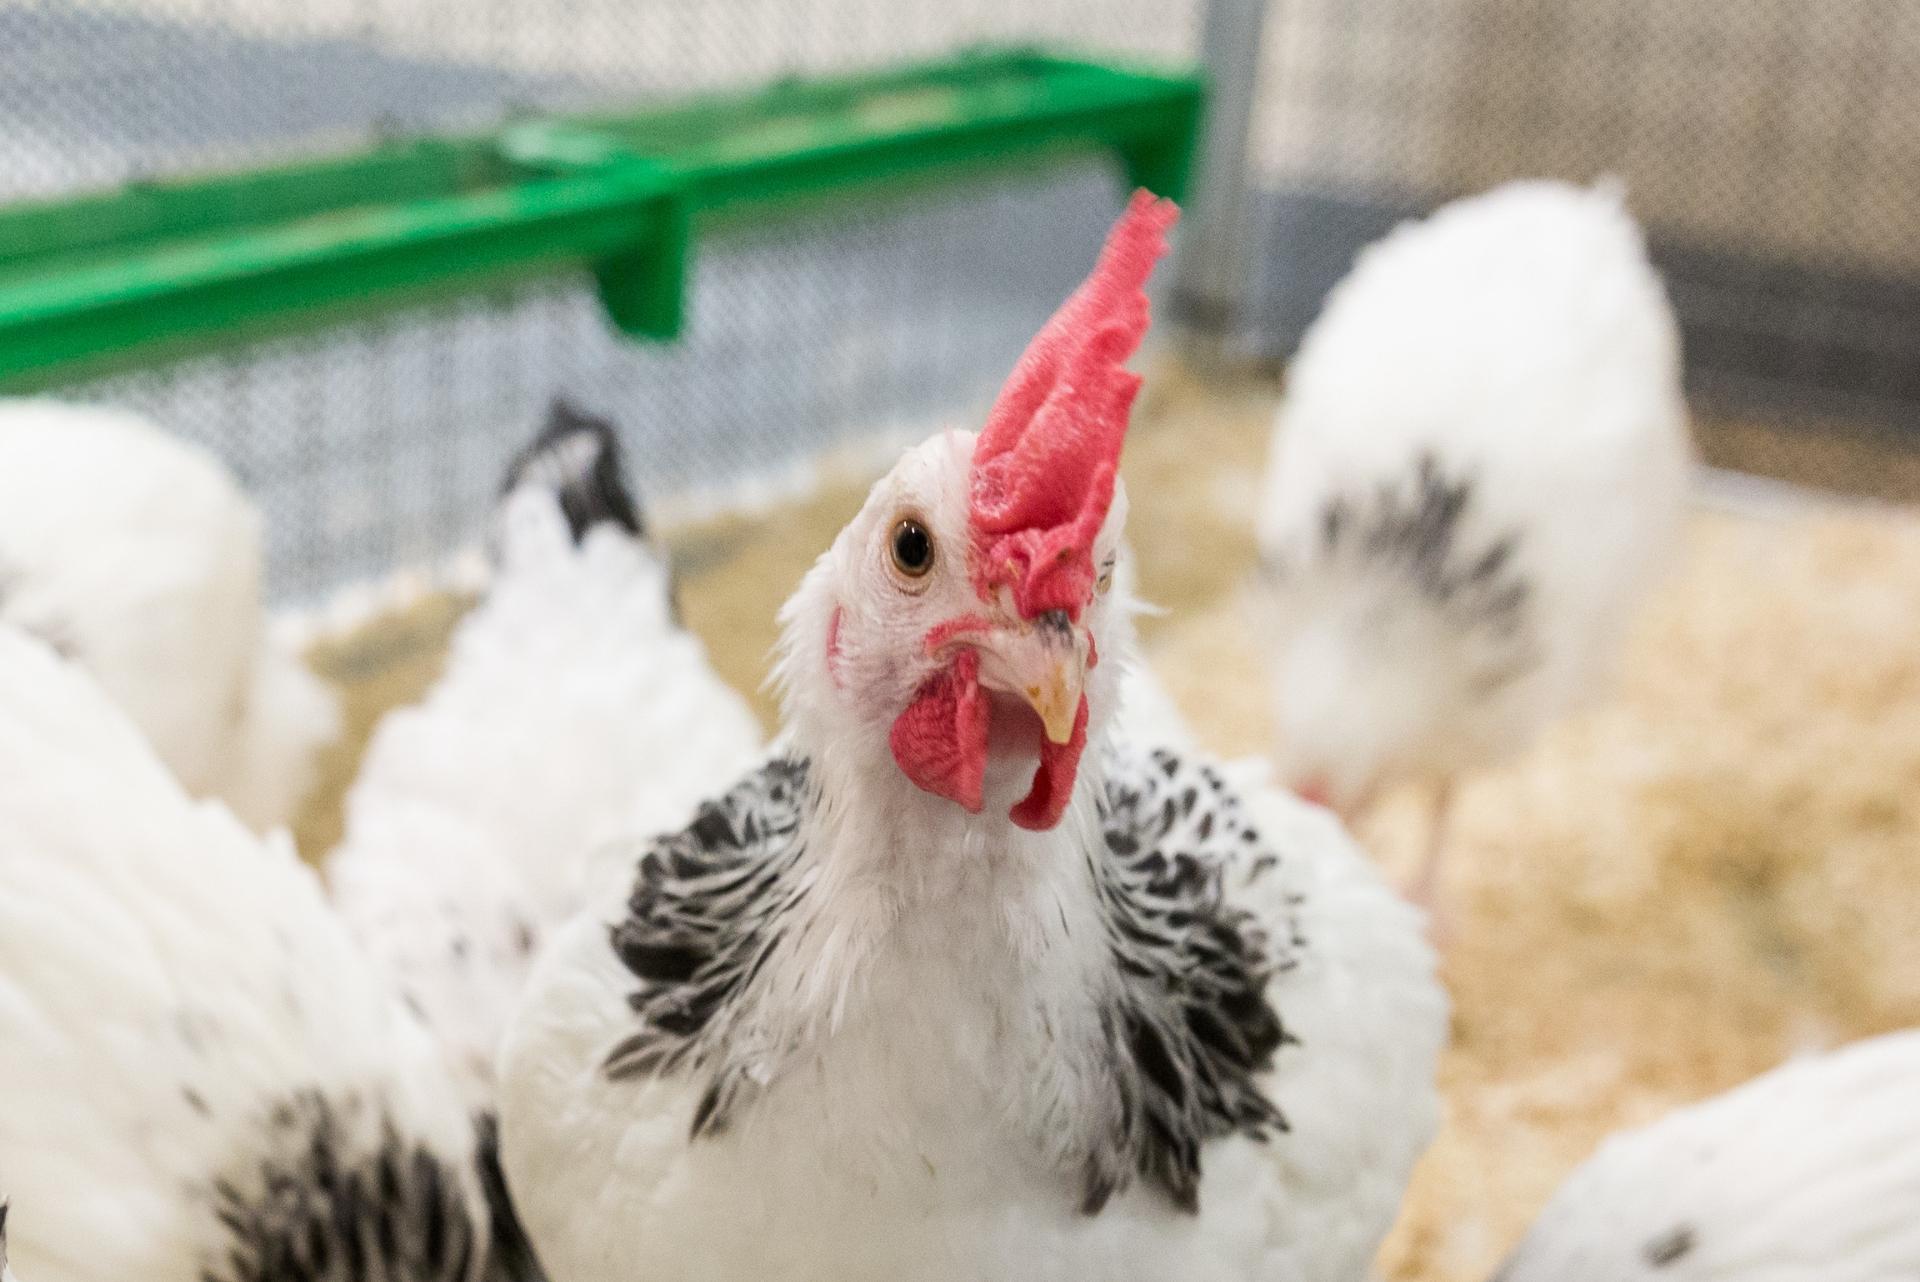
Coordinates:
column 321, row 1207
column 1415, row 528
column 1192, row 1028
column 1187, row 1023
column 704, row 916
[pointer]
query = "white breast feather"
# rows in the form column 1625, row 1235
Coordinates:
column 165, row 977
column 1360, row 1090
column 904, row 1150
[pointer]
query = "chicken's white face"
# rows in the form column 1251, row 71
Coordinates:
column 898, row 639
column 958, row 623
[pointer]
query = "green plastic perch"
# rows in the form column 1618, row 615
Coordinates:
column 158, row 271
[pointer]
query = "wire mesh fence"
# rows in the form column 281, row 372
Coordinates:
column 380, row 444
column 1772, row 146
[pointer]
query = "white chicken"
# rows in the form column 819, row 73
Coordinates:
column 202, row 1079
column 136, row 554
column 1810, row 1173
column 959, row 986
column 1481, row 461
column 573, row 708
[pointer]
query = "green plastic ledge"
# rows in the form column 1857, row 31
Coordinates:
column 154, row 272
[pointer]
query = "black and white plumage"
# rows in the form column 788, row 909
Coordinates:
column 1809, row 1173
column 202, row 1079
column 840, row 1027
column 1189, row 1022
column 962, row 986
column 136, row 554
column 1190, row 1019
column 573, row 708
column 1480, row 464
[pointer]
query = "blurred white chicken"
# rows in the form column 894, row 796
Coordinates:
column 202, row 1079
column 136, row 554
column 1147, row 711
column 1810, row 1173
column 960, row 986
column 573, row 708
column 1480, row 464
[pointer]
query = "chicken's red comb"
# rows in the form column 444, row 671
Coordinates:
column 1045, row 463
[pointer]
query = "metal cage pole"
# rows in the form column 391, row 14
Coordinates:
column 1215, row 263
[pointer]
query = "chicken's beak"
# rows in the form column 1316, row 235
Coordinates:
column 1044, row 662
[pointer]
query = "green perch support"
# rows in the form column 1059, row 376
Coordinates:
column 155, row 272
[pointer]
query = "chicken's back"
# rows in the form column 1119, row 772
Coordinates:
column 135, row 553
column 201, row 1078
column 1485, row 423
column 1810, row 1173
column 573, row 708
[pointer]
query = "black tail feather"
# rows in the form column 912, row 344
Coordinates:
column 577, row 456
column 512, row 1258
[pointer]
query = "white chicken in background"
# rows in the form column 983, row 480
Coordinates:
column 202, row 1079
column 1480, row 464
column 1810, row 1173
column 573, row 708
column 135, row 553
column 960, row 986
column 1147, row 711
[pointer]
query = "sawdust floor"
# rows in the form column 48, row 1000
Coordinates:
column 1709, row 870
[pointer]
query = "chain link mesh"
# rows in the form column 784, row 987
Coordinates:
column 380, row 444
column 1771, row 146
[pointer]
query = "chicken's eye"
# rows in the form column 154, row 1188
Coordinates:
column 1104, row 583
column 912, row 548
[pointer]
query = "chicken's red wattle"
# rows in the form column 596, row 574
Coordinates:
column 940, row 741
column 1052, row 787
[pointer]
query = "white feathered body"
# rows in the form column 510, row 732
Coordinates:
column 182, row 1017
column 573, row 708
column 922, row 1066
column 1480, row 463
column 1810, row 1173
column 136, row 554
